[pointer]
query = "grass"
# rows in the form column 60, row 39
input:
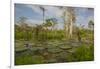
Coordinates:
column 28, row 59
column 82, row 53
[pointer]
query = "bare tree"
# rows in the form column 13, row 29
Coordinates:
column 66, row 24
column 43, row 9
column 71, row 20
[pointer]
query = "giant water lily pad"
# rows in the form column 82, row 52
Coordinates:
column 37, row 48
column 75, row 44
column 49, row 43
column 64, row 47
column 62, row 54
column 37, row 59
column 20, row 49
column 54, row 50
column 71, row 50
column 51, row 61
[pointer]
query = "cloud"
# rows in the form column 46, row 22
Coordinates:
column 35, row 8
column 53, row 11
column 50, row 11
column 33, row 22
column 91, row 18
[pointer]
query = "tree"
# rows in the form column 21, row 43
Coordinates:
column 66, row 24
column 71, row 19
column 91, row 24
column 37, row 31
column 54, row 22
column 23, row 22
column 43, row 10
column 24, row 27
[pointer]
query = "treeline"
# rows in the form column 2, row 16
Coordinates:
column 38, row 32
column 47, row 31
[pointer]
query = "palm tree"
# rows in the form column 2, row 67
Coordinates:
column 54, row 23
column 51, row 23
column 43, row 10
column 47, row 26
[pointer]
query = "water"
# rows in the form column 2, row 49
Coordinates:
column 50, row 51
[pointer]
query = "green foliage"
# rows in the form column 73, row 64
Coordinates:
column 23, row 35
column 83, row 53
column 28, row 59
column 91, row 24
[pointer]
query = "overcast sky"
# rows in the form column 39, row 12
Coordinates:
column 35, row 15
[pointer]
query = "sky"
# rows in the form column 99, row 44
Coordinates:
column 35, row 15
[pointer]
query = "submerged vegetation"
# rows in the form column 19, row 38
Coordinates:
column 45, row 43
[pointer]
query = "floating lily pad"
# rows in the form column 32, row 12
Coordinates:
column 75, row 44
column 37, row 59
column 64, row 47
column 51, row 61
column 37, row 48
column 71, row 51
column 62, row 56
column 54, row 50
column 20, row 49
